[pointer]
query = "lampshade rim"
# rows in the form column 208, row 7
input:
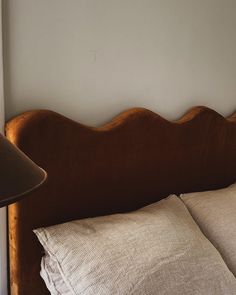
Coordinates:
column 14, row 198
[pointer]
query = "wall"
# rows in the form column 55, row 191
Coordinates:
column 3, row 219
column 91, row 59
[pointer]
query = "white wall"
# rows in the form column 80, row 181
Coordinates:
column 90, row 59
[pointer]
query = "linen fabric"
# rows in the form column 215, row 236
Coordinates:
column 158, row 249
column 52, row 276
column 215, row 213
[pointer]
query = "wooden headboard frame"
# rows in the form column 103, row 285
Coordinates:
column 136, row 159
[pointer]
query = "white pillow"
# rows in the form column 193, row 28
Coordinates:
column 215, row 213
column 158, row 249
column 52, row 276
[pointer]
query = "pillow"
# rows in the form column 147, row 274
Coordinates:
column 158, row 249
column 215, row 213
column 52, row 276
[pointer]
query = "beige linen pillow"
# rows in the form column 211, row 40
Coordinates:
column 215, row 213
column 52, row 276
column 158, row 249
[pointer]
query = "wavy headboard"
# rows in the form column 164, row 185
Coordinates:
column 136, row 159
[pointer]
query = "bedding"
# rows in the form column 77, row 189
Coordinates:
column 52, row 276
column 215, row 213
column 158, row 249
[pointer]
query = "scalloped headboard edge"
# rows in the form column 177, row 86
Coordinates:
column 136, row 159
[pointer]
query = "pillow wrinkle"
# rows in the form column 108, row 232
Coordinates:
column 215, row 213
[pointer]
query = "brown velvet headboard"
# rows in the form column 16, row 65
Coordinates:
column 136, row 159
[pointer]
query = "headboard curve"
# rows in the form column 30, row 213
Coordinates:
column 136, row 159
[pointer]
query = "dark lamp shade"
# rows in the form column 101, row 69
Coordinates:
column 18, row 174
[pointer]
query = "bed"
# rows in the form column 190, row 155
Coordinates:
column 136, row 159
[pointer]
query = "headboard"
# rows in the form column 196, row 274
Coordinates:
column 136, row 159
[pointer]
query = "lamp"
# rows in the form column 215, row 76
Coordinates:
column 18, row 174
